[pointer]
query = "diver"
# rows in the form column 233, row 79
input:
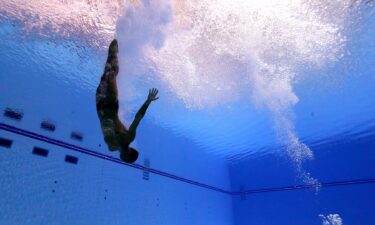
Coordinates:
column 117, row 137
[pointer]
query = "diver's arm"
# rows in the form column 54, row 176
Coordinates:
column 138, row 117
column 142, row 111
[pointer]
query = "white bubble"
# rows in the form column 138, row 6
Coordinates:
column 215, row 52
column 331, row 219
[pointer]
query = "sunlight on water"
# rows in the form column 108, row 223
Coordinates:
column 94, row 21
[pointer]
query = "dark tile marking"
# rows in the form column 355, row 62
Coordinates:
column 40, row 151
column 71, row 159
column 45, row 125
column 13, row 114
column 146, row 173
column 242, row 196
column 5, row 142
column 76, row 136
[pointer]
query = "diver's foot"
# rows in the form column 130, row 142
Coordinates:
column 113, row 47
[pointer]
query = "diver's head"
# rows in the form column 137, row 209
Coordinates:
column 129, row 156
column 113, row 47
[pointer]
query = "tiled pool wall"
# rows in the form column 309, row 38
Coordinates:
column 42, row 183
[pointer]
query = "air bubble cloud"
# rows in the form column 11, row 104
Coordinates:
column 215, row 51
column 331, row 219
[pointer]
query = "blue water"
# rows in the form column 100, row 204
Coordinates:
column 217, row 147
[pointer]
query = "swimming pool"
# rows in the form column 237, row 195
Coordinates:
column 266, row 112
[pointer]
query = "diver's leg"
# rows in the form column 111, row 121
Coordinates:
column 107, row 89
column 108, row 85
column 112, row 91
column 112, row 60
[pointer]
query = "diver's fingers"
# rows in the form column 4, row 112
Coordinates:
column 153, row 91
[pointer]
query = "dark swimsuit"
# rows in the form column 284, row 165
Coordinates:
column 102, row 104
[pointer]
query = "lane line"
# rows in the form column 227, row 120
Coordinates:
column 103, row 156
column 39, row 137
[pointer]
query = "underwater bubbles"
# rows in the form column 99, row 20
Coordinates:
column 331, row 219
column 215, row 51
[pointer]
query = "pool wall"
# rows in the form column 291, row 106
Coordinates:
column 342, row 166
column 47, row 189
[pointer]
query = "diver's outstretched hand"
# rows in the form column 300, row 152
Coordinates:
column 152, row 95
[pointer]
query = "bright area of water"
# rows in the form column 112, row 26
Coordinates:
column 253, row 95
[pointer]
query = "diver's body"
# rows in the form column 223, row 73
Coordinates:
column 117, row 137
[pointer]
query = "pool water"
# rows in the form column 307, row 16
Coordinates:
column 266, row 112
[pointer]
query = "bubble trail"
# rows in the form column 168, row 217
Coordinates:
column 215, row 51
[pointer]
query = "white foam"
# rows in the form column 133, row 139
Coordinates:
column 217, row 50
column 331, row 219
